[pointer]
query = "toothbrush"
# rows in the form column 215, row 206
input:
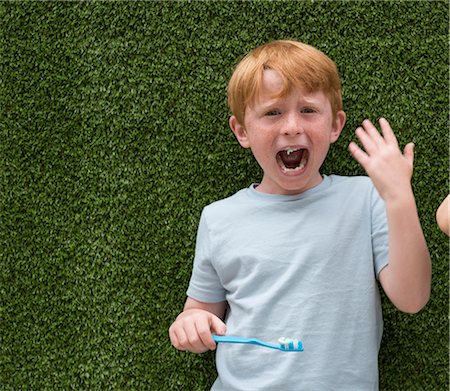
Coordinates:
column 285, row 344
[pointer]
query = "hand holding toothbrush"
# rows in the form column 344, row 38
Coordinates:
column 194, row 327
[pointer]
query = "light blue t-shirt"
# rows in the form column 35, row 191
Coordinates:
column 303, row 267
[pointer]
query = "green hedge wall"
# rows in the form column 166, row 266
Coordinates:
column 113, row 137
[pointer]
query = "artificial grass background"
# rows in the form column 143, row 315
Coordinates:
column 114, row 136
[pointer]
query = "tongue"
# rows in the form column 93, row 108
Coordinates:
column 292, row 159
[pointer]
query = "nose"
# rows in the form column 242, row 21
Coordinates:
column 292, row 125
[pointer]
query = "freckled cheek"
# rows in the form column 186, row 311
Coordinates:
column 320, row 136
column 263, row 155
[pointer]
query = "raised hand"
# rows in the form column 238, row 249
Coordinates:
column 389, row 168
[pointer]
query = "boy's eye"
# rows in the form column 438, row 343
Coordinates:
column 308, row 110
column 272, row 113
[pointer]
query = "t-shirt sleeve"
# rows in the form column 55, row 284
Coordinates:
column 205, row 284
column 379, row 232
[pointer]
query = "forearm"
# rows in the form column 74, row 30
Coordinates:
column 217, row 309
column 407, row 278
column 442, row 216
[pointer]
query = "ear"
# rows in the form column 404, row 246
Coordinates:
column 240, row 132
column 338, row 125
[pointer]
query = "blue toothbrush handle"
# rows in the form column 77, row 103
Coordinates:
column 232, row 339
column 249, row 341
column 254, row 341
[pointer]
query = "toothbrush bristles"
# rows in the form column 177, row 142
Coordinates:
column 288, row 343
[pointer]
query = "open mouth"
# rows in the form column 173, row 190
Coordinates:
column 291, row 159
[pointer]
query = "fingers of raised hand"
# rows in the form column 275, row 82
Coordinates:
column 369, row 140
column 408, row 152
column 372, row 132
column 382, row 158
column 372, row 139
column 388, row 133
column 360, row 156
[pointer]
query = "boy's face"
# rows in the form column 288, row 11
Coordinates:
column 288, row 136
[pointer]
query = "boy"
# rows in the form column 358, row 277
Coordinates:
column 299, row 254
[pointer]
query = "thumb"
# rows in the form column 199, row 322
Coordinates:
column 217, row 326
column 408, row 152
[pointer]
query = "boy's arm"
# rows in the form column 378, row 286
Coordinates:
column 443, row 216
column 193, row 328
column 406, row 280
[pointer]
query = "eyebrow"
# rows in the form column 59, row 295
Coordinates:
column 274, row 101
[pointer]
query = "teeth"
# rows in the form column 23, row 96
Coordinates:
column 302, row 164
column 298, row 168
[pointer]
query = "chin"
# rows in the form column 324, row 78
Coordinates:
column 296, row 184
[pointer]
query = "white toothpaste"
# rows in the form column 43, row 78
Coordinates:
column 288, row 343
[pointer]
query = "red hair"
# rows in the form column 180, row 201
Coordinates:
column 299, row 65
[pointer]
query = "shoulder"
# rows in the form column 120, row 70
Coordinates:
column 227, row 206
column 350, row 180
column 351, row 183
column 356, row 191
column 233, row 199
